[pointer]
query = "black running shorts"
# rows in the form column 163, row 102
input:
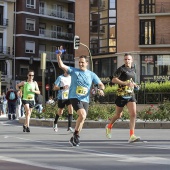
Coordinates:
column 121, row 102
column 63, row 103
column 30, row 102
column 77, row 104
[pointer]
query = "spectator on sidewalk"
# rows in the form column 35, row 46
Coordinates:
column 18, row 104
column 38, row 102
column 11, row 97
column 1, row 105
column 4, row 106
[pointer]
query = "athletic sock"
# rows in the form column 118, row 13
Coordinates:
column 56, row 119
column 110, row 126
column 70, row 118
column 131, row 132
column 76, row 132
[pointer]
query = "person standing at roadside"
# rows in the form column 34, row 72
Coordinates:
column 11, row 97
column 29, row 88
column 81, row 82
column 125, row 78
column 4, row 106
column 62, row 84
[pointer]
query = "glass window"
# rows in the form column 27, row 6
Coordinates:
column 104, row 68
column 30, row 24
column 29, row 47
column 101, row 22
column 112, row 20
column 147, row 32
column 162, row 65
column 112, row 4
column 112, row 13
column 148, row 65
column 31, row 4
column 147, row 6
column 24, row 70
column 1, row 42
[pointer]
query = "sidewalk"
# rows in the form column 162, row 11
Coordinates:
column 101, row 124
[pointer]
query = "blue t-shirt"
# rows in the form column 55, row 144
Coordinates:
column 60, row 82
column 81, row 82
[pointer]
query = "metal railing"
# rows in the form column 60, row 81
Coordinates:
column 162, row 7
column 4, row 50
column 4, row 22
column 57, row 14
column 159, row 7
column 52, row 56
column 55, row 34
column 142, row 97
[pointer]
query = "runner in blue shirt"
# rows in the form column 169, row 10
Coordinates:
column 81, row 82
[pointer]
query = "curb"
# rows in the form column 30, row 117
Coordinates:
column 99, row 124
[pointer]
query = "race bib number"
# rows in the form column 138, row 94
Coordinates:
column 65, row 95
column 82, row 91
column 30, row 96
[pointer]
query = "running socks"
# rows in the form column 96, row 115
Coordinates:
column 131, row 132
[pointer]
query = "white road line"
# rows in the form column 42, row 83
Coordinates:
column 36, row 164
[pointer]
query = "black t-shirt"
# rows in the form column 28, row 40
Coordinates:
column 125, row 74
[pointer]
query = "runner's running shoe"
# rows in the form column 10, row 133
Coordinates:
column 24, row 128
column 27, row 129
column 134, row 138
column 108, row 132
column 55, row 127
column 74, row 141
column 70, row 129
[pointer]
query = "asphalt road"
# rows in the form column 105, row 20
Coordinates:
column 44, row 149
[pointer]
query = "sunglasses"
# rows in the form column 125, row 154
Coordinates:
column 31, row 75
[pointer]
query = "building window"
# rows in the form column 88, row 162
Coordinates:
column 146, row 6
column 148, row 65
column 24, row 70
column 29, row 47
column 30, row 24
column 3, row 67
column 31, row 4
column 105, row 67
column 162, row 65
column 155, row 68
column 1, row 43
column 103, row 26
column 147, row 32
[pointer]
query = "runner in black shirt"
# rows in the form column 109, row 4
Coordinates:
column 125, row 78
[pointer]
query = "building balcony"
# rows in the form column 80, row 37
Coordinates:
column 57, row 14
column 159, row 9
column 52, row 56
column 56, row 35
column 162, row 40
column 3, row 22
column 4, row 50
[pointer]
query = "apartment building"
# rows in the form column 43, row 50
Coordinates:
column 41, row 27
column 6, row 43
column 116, row 27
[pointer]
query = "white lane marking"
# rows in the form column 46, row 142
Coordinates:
column 119, row 157
column 150, row 160
column 42, row 165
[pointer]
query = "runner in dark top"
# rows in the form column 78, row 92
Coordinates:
column 125, row 78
